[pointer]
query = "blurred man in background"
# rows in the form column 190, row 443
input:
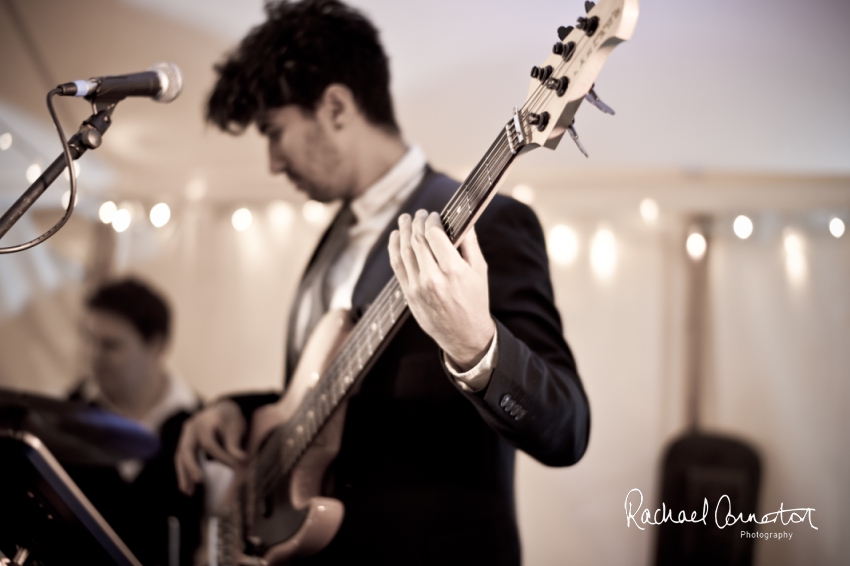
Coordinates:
column 126, row 330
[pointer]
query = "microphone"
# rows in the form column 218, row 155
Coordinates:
column 162, row 82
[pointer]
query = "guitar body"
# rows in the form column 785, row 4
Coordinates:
column 293, row 520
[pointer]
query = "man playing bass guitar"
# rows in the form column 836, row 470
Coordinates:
column 425, row 468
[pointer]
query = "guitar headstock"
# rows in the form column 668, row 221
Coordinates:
column 566, row 77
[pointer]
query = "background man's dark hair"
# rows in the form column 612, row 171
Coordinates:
column 137, row 303
column 291, row 58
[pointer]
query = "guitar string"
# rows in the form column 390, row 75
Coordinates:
column 454, row 220
column 543, row 91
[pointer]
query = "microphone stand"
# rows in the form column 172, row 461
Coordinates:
column 89, row 136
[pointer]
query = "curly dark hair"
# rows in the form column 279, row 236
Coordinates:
column 291, row 58
column 137, row 303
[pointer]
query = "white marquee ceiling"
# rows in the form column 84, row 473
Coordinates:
column 723, row 85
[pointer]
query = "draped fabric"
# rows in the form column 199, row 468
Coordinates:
column 777, row 353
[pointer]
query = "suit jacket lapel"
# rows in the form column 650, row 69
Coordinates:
column 377, row 270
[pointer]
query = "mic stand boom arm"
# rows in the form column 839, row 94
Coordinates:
column 88, row 137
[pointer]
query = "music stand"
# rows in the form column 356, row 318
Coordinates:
column 44, row 517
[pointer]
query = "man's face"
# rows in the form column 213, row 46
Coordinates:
column 304, row 147
column 120, row 360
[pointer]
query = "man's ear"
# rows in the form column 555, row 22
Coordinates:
column 157, row 345
column 338, row 105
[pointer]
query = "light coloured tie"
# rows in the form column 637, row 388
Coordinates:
column 314, row 288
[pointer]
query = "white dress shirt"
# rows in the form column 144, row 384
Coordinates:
column 377, row 207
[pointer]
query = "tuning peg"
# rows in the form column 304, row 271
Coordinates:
column 588, row 25
column 565, row 50
column 588, row 5
column 594, row 99
column 574, row 135
column 563, row 32
column 539, row 120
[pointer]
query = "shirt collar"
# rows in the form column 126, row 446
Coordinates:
column 178, row 397
column 389, row 188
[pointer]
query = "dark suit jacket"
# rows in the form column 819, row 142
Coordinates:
column 426, row 470
column 139, row 511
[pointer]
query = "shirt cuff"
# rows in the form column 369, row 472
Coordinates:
column 476, row 378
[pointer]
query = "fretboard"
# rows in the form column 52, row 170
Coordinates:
column 285, row 445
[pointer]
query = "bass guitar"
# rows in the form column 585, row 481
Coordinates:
column 274, row 510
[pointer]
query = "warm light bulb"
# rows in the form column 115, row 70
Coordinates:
column 743, row 227
column 160, row 215
column 66, row 198
column 314, row 212
column 696, row 245
column 5, row 141
column 106, row 212
column 793, row 244
column 241, row 219
column 836, row 227
column 603, row 253
column 33, row 172
column 649, row 210
column 121, row 220
column 795, row 257
column 563, row 245
column 280, row 214
column 523, row 193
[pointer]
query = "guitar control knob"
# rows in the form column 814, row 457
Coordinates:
column 588, row 5
column 535, row 72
